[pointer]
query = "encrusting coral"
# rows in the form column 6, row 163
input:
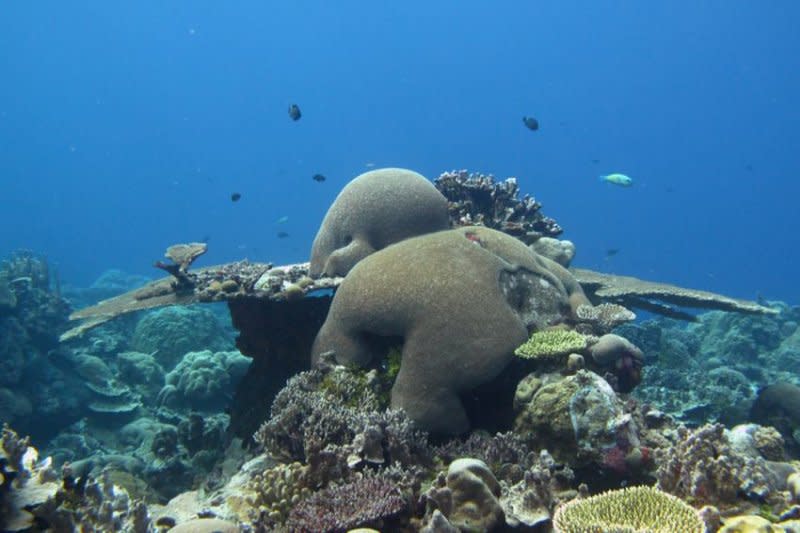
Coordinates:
column 461, row 300
column 374, row 210
column 644, row 509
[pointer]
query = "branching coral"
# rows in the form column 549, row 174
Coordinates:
column 704, row 467
column 365, row 502
column 644, row 509
column 551, row 343
column 476, row 199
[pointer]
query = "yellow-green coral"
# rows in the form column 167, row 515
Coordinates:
column 630, row 510
column 272, row 493
column 551, row 343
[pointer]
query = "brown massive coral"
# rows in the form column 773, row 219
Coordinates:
column 461, row 300
column 374, row 210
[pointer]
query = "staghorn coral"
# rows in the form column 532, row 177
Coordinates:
column 365, row 502
column 633, row 509
column 460, row 331
column 551, row 343
column 476, row 199
column 374, row 210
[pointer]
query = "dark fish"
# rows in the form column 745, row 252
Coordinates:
column 294, row 112
column 235, row 197
column 611, row 252
column 530, row 123
column 282, row 234
column 318, row 177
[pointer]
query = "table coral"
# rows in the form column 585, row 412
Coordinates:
column 629, row 509
column 461, row 300
column 374, row 210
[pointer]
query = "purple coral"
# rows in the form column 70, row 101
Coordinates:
column 366, row 502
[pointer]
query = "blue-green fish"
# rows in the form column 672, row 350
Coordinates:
column 617, row 179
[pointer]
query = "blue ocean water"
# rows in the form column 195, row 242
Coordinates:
column 125, row 127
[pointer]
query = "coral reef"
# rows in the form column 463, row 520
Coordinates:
column 365, row 502
column 778, row 405
column 629, row 509
column 476, row 199
column 31, row 496
column 32, row 314
column 551, row 343
column 374, row 210
column 581, row 419
column 468, row 496
column 469, row 320
column 659, row 298
column 171, row 332
column 204, row 379
column 705, row 467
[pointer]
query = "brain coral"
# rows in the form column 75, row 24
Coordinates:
column 374, row 210
column 462, row 300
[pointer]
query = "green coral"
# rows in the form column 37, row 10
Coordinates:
column 550, row 343
column 630, row 510
column 272, row 493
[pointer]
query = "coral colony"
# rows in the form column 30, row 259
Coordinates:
column 438, row 365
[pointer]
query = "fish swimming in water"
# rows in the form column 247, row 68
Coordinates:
column 617, row 179
column 235, row 197
column 318, row 177
column 530, row 123
column 294, row 112
column 282, row 234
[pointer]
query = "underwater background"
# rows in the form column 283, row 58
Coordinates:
column 126, row 127
column 459, row 380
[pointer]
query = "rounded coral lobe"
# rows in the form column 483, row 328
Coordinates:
column 376, row 209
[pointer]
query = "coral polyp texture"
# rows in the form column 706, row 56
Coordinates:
column 461, row 300
column 374, row 210
column 634, row 510
column 551, row 343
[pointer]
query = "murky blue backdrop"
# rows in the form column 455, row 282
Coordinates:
column 125, row 127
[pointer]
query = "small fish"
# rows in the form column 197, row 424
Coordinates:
column 530, row 123
column 617, row 179
column 235, row 197
column 283, row 220
column 611, row 252
column 282, row 234
column 294, row 112
column 318, row 177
